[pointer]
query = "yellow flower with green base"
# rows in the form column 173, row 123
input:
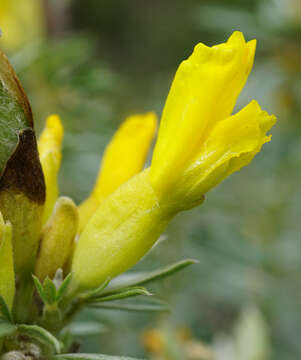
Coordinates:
column 200, row 143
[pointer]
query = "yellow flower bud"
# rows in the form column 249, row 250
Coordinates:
column 122, row 230
column 7, row 274
column 124, row 157
column 199, row 144
column 57, row 238
column 49, row 146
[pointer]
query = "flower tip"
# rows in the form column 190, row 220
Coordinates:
column 54, row 123
column 252, row 45
column 201, row 53
column 237, row 37
column 140, row 124
column 151, row 121
column 64, row 202
column 265, row 120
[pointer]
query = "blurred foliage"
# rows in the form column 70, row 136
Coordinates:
column 103, row 60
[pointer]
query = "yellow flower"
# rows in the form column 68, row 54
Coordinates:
column 199, row 144
column 49, row 146
column 21, row 22
column 124, row 157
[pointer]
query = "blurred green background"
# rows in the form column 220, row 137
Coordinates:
column 95, row 61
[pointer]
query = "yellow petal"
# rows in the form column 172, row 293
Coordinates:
column 49, row 145
column 232, row 144
column 204, row 92
column 123, row 158
column 57, row 238
column 7, row 275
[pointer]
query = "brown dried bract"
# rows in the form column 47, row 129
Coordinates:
column 23, row 172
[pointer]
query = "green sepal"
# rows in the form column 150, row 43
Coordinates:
column 63, row 288
column 48, row 291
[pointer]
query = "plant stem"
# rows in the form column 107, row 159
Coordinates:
column 23, row 298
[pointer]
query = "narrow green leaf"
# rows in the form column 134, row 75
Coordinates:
column 4, row 310
column 133, row 306
column 63, row 288
column 7, row 329
column 90, row 357
column 49, row 291
column 142, row 278
column 123, row 294
column 41, row 335
column 98, row 291
column 38, row 286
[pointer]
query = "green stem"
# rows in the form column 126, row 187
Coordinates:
column 23, row 298
column 52, row 318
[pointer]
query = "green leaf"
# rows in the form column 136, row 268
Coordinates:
column 142, row 278
column 90, row 357
column 123, row 294
column 143, row 306
column 15, row 111
column 41, row 335
column 98, row 291
column 4, row 310
column 63, row 288
column 49, row 291
column 7, row 329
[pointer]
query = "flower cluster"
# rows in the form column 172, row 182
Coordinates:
column 200, row 143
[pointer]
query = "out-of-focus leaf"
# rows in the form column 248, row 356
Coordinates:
column 41, row 335
column 90, row 357
column 87, row 328
column 142, row 278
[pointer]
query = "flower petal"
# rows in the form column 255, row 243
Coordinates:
column 203, row 93
column 49, row 146
column 232, row 144
column 123, row 158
